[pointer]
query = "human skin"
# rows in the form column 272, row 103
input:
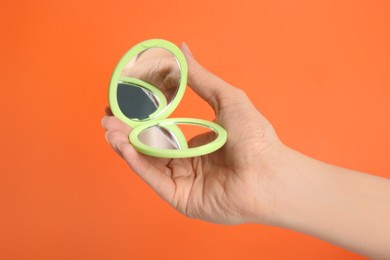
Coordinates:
column 255, row 178
column 150, row 61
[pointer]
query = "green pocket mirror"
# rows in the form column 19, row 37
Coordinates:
column 146, row 87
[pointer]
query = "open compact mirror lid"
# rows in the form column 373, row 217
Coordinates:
column 142, row 98
column 164, row 107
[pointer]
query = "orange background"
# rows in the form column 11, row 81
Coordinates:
column 318, row 70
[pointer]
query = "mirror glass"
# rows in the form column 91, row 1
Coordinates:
column 177, row 136
column 142, row 102
column 148, row 84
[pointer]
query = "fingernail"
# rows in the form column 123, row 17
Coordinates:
column 186, row 49
column 120, row 146
column 104, row 119
column 106, row 136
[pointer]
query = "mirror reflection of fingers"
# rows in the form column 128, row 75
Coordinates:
column 158, row 67
column 167, row 77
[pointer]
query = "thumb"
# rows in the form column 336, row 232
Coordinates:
column 207, row 85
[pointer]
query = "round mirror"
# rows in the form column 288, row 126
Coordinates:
column 178, row 138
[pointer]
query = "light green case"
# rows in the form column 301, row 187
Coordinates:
column 163, row 110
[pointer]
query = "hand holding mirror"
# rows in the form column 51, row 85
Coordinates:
column 146, row 86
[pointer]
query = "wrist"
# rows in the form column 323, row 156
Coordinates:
column 302, row 191
column 282, row 188
column 341, row 206
column 290, row 189
column 268, row 185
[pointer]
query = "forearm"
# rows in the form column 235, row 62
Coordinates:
column 344, row 207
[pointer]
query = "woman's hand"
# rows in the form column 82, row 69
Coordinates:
column 226, row 186
column 255, row 178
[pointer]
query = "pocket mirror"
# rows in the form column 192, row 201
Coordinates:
column 146, row 86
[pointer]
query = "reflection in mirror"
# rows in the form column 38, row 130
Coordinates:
column 177, row 136
column 135, row 102
column 159, row 137
column 158, row 67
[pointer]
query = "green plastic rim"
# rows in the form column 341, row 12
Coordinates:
column 184, row 152
column 162, row 101
column 133, row 52
column 159, row 117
